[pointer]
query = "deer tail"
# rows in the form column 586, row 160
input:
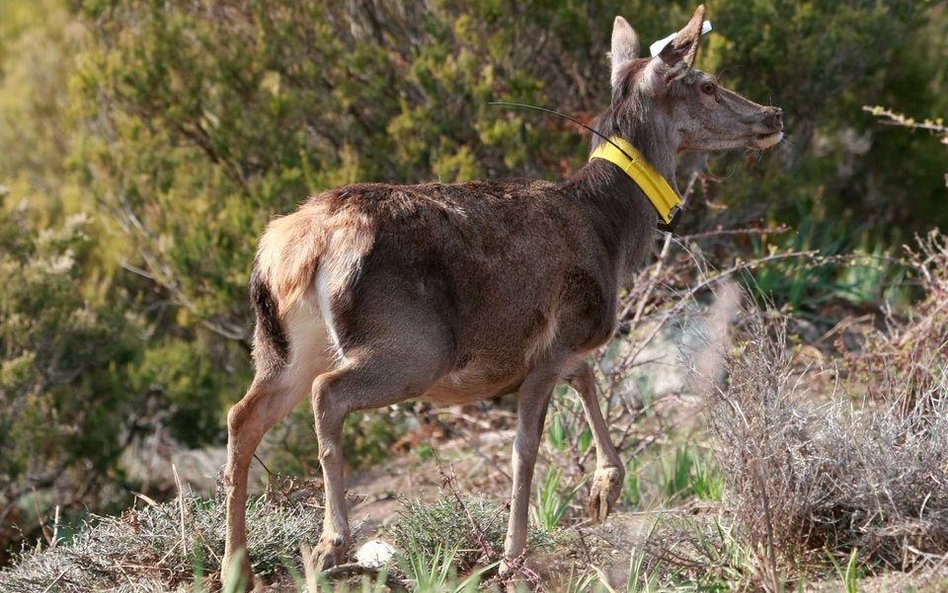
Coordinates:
column 293, row 251
column 285, row 267
column 271, row 346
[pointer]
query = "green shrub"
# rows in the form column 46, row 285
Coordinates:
column 473, row 527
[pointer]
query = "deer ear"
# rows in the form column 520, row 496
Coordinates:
column 681, row 52
column 625, row 46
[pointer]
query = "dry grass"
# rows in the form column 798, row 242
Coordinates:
column 162, row 547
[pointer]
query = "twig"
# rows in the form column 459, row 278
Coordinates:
column 177, row 481
column 450, row 482
column 768, row 521
column 519, row 565
column 474, row 447
column 39, row 519
column 582, row 541
column 344, row 571
column 52, row 544
column 780, row 229
column 56, row 580
column 895, row 118
column 711, row 279
column 270, row 474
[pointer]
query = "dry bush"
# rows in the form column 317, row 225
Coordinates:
column 809, row 477
column 161, row 547
column 642, row 377
column 907, row 361
column 668, row 298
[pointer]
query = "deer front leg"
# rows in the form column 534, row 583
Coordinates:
column 532, row 402
column 610, row 473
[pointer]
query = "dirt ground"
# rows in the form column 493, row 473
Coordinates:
column 478, row 462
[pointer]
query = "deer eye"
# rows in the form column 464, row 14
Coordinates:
column 707, row 88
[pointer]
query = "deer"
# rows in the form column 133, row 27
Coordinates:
column 373, row 294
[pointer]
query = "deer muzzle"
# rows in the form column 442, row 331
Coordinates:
column 772, row 124
column 774, row 119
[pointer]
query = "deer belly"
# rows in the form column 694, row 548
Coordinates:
column 467, row 386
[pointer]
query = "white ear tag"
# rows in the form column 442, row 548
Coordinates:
column 657, row 47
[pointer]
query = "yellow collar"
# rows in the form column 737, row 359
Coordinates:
column 663, row 196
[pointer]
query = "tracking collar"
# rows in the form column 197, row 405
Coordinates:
column 659, row 191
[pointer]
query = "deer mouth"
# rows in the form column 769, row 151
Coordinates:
column 765, row 141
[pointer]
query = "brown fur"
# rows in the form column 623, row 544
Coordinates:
column 372, row 294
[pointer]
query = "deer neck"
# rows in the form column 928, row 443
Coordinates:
column 619, row 210
column 653, row 137
column 663, row 196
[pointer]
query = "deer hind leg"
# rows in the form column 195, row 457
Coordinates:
column 377, row 379
column 610, row 474
column 271, row 396
column 266, row 403
column 533, row 399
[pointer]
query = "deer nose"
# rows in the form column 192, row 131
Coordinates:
column 774, row 118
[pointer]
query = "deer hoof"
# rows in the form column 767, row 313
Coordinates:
column 607, row 484
column 515, row 576
column 328, row 553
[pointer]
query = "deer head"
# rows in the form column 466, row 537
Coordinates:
column 686, row 109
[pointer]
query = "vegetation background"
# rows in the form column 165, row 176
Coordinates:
column 144, row 145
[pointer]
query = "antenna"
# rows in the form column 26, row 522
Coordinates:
column 564, row 116
column 667, row 227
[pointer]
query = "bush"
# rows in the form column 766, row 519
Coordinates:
column 154, row 548
column 472, row 527
column 64, row 356
column 833, row 473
